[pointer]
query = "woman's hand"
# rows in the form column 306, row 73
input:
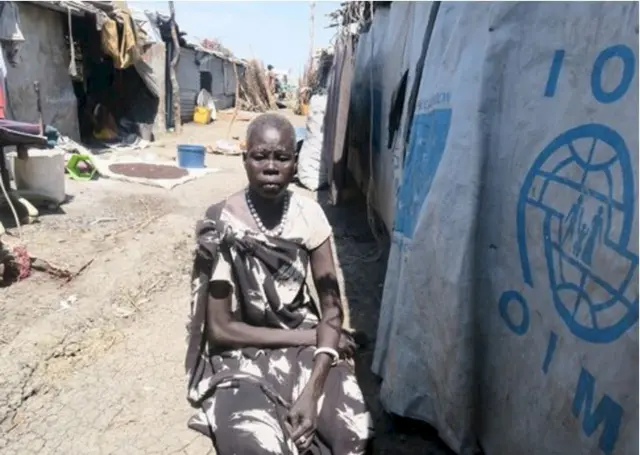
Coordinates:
column 347, row 345
column 302, row 419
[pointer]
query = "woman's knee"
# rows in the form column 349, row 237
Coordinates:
column 246, row 423
column 251, row 434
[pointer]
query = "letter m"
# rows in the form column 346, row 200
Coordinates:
column 607, row 413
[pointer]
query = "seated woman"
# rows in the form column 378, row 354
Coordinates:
column 269, row 370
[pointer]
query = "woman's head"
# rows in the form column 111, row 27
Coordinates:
column 270, row 159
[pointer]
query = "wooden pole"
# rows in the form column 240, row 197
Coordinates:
column 308, row 68
column 235, row 107
column 175, row 88
column 312, row 8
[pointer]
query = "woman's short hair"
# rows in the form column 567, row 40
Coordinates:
column 272, row 120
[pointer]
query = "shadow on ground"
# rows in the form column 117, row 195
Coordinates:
column 363, row 260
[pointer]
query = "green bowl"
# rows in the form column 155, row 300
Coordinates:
column 77, row 174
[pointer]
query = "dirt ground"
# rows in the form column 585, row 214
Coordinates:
column 95, row 366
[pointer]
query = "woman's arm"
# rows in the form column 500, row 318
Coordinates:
column 226, row 332
column 330, row 327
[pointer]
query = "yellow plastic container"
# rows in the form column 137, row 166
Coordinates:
column 202, row 115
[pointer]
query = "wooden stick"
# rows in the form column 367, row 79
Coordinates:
column 36, row 88
column 45, row 266
column 175, row 88
column 312, row 7
column 235, row 107
column 80, row 270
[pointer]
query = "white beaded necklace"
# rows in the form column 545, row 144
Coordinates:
column 276, row 231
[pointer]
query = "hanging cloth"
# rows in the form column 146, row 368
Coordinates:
column 120, row 47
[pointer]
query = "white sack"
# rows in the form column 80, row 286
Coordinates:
column 312, row 168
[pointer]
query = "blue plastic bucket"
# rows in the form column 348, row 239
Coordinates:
column 191, row 156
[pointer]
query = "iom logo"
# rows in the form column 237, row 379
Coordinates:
column 575, row 216
column 582, row 188
column 582, row 183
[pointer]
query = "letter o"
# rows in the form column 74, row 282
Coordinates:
column 628, row 68
column 503, row 306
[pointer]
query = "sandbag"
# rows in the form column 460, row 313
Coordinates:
column 312, row 168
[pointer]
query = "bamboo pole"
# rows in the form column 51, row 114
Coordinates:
column 175, row 88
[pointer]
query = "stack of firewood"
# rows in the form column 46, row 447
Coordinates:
column 255, row 95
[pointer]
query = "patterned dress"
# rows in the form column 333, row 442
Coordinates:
column 242, row 396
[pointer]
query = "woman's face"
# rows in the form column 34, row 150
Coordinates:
column 269, row 162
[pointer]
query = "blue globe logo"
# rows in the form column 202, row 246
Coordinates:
column 583, row 185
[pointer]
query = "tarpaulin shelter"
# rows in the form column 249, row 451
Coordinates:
column 509, row 317
column 387, row 59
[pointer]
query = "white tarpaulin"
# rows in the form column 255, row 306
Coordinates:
column 512, row 283
column 366, row 100
column 385, row 71
column 312, row 168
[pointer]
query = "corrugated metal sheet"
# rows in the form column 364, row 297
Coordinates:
column 229, row 79
column 223, row 80
column 188, row 75
column 214, row 65
column 43, row 57
column 77, row 8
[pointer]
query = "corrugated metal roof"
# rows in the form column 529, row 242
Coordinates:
column 80, row 8
column 198, row 47
column 77, row 8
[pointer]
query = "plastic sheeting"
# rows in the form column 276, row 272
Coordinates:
column 145, row 21
column 365, row 128
column 336, row 116
column 386, row 63
column 151, row 64
column 510, row 305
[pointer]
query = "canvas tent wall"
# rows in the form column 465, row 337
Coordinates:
column 334, row 130
column 510, row 304
column 42, row 57
column 387, row 58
